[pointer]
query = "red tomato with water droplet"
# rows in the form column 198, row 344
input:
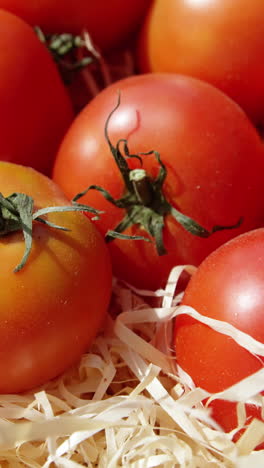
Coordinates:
column 228, row 286
column 212, row 153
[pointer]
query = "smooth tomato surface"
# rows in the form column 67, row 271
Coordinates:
column 213, row 156
column 228, row 286
column 108, row 22
column 52, row 309
column 219, row 41
column 35, row 107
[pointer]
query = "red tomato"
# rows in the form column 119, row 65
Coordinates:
column 213, row 156
column 53, row 307
column 108, row 22
column 219, row 41
column 35, row 108
column 227, row 286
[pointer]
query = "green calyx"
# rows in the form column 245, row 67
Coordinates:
column 17, row 214
column 143, row 199
column 63, row 49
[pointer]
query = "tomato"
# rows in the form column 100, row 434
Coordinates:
column 35, row 107
column 109, row 23
column 212, row 153
column 218, row 41
column 227, row 286
column 53, row 307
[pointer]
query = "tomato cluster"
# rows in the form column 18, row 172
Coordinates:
column 151, row 115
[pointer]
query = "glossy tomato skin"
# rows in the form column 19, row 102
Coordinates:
column 109, row 23
column 219, row 41
column 228, row 286
column 52, row 309
column 35, row 107
column 213, row 156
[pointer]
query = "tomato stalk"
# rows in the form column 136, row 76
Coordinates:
column 17, row 214
column 63, row 48
column 144, row 200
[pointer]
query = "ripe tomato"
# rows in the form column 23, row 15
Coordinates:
column 53, row 307
column 227, row 286
column 213, row 155
column 219, row 41
column 35, row 107
column 109, row 23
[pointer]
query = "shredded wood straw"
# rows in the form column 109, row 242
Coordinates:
column 126, row 404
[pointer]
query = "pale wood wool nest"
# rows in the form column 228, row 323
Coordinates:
column 126, row 404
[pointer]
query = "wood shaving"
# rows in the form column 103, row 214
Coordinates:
column 127, row 404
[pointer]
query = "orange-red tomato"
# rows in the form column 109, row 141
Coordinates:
column 35, row 107
column 109, row 22
column 52, row 308
column 219, row 41
column 227, row 286
column 213, row 155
